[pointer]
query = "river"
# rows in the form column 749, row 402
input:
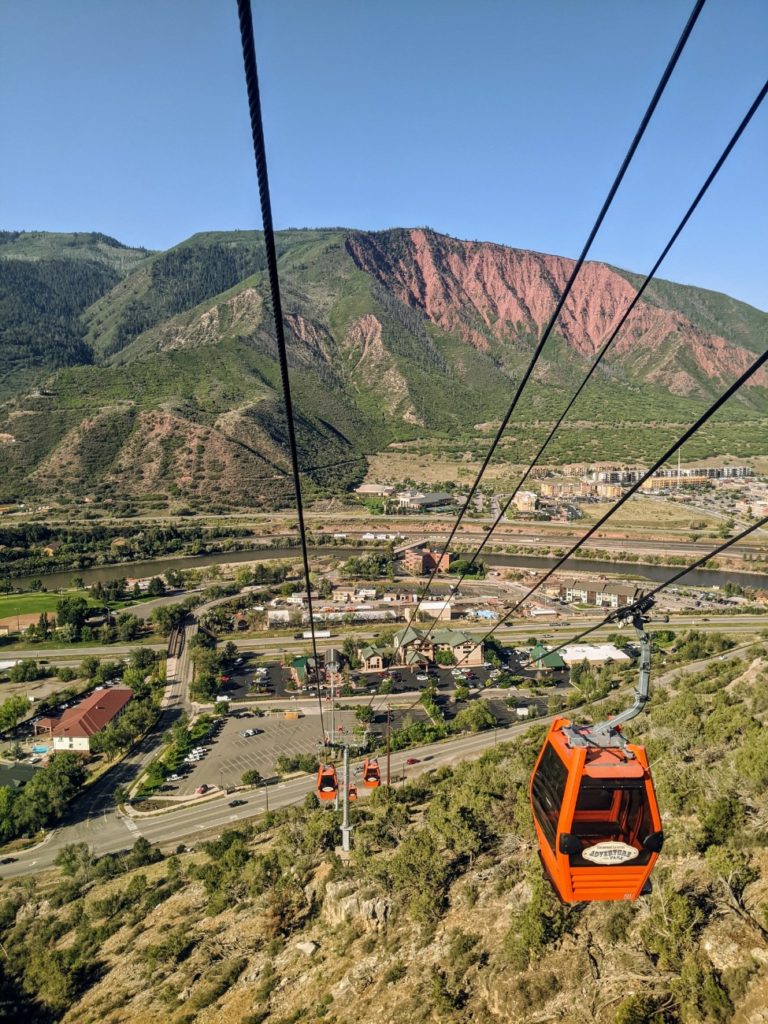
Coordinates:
column 156, row 567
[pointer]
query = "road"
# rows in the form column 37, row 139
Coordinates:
column 95, row 821
column 521, row 630
column 107, row 831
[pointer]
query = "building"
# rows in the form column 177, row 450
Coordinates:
column 601, row 593
column 442, row 610
column 417, row 502
column 371, row 658
column 594, row 654
column 414, row 646
column 421, row 560
column 526, row 501
column 74, row 729
column 608, row 490
column 300, row 668
column 375, row 490
column 544, row 659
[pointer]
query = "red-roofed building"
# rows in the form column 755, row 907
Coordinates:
column 76, row 726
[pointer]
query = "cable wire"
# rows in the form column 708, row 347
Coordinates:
column 615, row 332
column 736, row 386
column 617, row 613
column 257, row 131
column 663, row 81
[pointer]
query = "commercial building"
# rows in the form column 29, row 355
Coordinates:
column 415, row 501
column 375, row 490
column 526, row 501
column 421, row 560
column 74, row 729
column 414, row 646
column 371, row 658
column 594, row 654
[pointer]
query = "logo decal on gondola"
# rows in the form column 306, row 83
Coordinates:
column 610, row 853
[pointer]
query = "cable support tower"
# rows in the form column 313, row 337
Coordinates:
column 683, row 439
column 627, row 610
column 663, row 81
column 617, row 329
column 257, row 131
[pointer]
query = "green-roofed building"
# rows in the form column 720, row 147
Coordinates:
column 419, row 646
column 299, row 668
column 371, row 658
column 545, row 659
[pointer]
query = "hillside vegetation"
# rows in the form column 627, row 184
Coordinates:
column 442, row 915
column 154, row 376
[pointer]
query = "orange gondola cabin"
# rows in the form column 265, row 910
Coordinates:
column 594, row 806
column 352, row 791
column 327, row 782
column 371, row 774
column 596, row 817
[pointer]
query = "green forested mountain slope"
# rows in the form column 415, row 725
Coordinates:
column 167, row 384
column 46, row 281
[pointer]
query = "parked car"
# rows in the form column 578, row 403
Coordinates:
column 174, row 778
column 250, row 732
column 201, row 789
column 422, row 677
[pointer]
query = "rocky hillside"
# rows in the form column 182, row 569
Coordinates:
column 154, row 375
column 443, row 914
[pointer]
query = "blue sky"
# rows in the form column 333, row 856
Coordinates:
column 502, row 120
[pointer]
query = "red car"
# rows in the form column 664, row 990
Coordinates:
column 413, row 760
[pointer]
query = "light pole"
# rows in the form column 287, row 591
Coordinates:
column 345, row 826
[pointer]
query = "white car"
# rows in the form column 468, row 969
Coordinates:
column 238, row 661
column 173, row 778
column 224, row 697
column 422, row 677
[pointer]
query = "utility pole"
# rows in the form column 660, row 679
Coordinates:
column 389, row 719
column 333, row 710
column 345, row 826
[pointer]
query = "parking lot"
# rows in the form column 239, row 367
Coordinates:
column 238, row 685
column 230, row 754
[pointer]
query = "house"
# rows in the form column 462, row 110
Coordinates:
column 344, row 595
column 418, row 646
column 51, row 549
column 278, row 617
column 74, row 729
column 371, row 658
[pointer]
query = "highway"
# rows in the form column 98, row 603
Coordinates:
column 519, row 632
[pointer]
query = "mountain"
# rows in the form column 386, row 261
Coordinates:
column 46, row 281
column 154, row 376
